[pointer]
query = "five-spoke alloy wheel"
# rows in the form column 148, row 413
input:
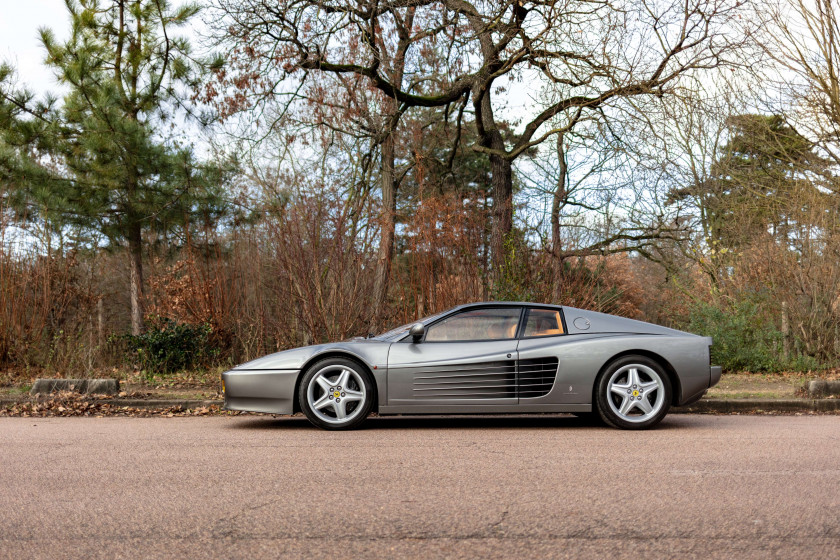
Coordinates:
column 336, row 394
column 633, row 392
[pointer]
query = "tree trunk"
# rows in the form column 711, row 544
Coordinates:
column 557, row 202
column 387, row 225
column 785, row 331
column 100, row 322
column 501, row 183
column 135, row 254
column 387, row 222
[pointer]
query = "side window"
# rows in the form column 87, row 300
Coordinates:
column 543, row 322
column 480, row 324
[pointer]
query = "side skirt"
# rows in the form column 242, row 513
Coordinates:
column 484, row 409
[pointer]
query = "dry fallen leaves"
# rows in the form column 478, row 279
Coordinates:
column 73, row 404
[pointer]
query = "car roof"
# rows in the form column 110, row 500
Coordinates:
column 505, row 304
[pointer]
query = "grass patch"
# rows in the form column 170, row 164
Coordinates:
column 760, row 386
column 208, row 379
column 15, row 391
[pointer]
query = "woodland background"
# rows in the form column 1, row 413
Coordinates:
column 212, row 182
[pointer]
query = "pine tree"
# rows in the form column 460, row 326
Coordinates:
column 761, row 179
column 101, row 157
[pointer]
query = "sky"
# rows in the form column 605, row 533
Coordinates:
column 19, row 42
column 20, row 45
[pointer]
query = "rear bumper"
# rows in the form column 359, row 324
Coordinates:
column 271, row 391
column 714, row 375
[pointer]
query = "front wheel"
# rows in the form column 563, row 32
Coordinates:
column 336, row 394
column 633, row 393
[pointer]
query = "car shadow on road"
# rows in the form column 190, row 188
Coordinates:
column 547, row 421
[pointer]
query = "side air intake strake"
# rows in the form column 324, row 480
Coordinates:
column 488, row 380
column 536, row 377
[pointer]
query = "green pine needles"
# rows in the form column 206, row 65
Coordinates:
column 99, row 159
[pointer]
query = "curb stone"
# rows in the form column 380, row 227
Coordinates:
column 823, row 388
column 134, row 403
column 726, row 406
column 706, row 406
column 99, row 386
column 161, row 403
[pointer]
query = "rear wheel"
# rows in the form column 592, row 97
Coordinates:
column 336, row 394
column 633, row 393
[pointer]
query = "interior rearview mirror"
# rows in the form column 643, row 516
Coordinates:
column 417, row 331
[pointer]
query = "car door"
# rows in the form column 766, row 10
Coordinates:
column 467, row 358
column 542, row 346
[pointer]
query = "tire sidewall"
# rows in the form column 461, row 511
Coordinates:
column 344, row 362
column 602, row 393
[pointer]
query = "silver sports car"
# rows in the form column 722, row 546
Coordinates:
column 486, row 358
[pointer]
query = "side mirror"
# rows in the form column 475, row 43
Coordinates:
column 417, row 331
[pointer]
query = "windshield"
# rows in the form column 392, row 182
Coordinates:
column 403, row 329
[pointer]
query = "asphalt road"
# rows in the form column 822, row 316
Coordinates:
column 249, row 486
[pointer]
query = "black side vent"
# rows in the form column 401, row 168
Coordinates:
column 536, row 377
column 488, row 380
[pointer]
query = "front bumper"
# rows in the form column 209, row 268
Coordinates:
column 271, row 391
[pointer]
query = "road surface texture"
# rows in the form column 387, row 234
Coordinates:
column 507, row 487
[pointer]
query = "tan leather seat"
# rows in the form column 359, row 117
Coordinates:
column 500, row 331
column 511, row 331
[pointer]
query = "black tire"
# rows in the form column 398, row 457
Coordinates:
column 329, row 372
column 617, row 377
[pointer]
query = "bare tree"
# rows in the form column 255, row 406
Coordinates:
column 803, row 39
column 591, row 55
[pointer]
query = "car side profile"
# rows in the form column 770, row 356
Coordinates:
column 487, row 358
